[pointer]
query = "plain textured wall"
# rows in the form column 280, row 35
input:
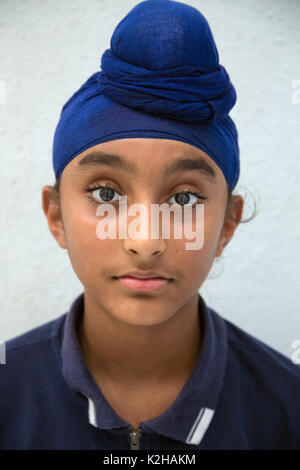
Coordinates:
column 48, row 48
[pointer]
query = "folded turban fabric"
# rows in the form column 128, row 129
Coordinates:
column 161, row 78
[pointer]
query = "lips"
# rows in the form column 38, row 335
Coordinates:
column 146, row 285
column 147, row 282
column 144, row 275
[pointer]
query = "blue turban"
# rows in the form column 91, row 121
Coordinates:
column 161, row 78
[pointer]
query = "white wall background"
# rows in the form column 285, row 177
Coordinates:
column 48, row 48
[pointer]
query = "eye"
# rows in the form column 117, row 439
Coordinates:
column 104, row 194
column 183, row 197
column 100, row 193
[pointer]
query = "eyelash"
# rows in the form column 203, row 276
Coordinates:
column 96, row 186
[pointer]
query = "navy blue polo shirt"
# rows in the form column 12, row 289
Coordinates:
column 242, row 394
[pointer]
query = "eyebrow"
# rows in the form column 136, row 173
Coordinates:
column 97, row 158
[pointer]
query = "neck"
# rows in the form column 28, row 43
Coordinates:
column 147, row 355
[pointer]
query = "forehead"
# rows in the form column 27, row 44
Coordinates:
column 135, row 155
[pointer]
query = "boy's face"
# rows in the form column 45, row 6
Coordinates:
column 99, row 262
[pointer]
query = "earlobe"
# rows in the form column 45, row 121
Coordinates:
column 221, row 247
column 59, row 235
column 51, row 209
column 231, row 223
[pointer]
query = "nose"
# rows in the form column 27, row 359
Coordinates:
column 145, row 245
column 145, row 249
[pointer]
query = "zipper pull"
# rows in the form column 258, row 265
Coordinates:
column 134, row 438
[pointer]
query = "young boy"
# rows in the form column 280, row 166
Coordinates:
column 140, row 361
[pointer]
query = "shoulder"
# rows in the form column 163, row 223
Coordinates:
column 31, row 384
column 261, row 388
column 27, row 352
column 260, row 392
column 35, row 337
column 256, row 355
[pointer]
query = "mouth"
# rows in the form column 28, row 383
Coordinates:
column 146, row 282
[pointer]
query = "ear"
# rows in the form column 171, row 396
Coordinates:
column 232, row 219
column 51, row 208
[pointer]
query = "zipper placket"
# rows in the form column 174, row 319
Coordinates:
column 134, row 438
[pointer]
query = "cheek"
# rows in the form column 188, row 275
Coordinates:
column 86, row 251
column 198, row 261
column 205, row 227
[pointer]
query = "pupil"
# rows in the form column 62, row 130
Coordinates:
column 105, row 193
column 182, row 198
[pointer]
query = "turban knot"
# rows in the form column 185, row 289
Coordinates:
column 184, row 93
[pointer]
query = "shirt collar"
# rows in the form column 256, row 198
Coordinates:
column 188, row 418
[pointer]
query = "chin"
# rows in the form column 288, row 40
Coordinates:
column 145, row 315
